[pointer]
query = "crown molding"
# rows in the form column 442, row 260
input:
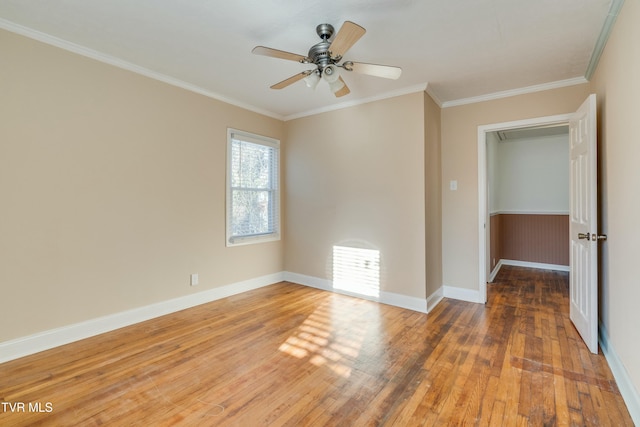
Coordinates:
column 434, row 96
column 614, row 11
column 514, row 92
column 116, row 62
column 404, row 91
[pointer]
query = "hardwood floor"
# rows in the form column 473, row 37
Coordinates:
column 291, row 355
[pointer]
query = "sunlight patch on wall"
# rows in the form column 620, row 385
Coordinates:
column 356, row 270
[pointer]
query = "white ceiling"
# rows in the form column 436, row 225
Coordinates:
column 461, row 48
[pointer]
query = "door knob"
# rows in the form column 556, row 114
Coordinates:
column 595, row 237
column 586, row 236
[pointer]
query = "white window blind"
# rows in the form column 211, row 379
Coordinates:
column 253, row 198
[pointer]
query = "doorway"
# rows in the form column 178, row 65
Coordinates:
column 528, row 198
column 485, row 132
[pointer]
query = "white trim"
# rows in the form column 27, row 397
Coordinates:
column 117, row 62
column 462, row 294
column 529, row 213
column 433, row 95
column 517, row 124
column 537, row 265
column 494, row 272
column 404, row 91
column 482, row 185
column 614, row 11
column 389, row 298
column 514, row 92
column 403, row 301
column 24, row 346
column 434, row 299
column 310, row 281
column 627, row 389
column 483, row 217
column 253, row 138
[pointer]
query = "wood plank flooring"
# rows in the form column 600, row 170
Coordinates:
column 296, row 356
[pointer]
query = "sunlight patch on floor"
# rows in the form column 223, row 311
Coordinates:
column 333, row 334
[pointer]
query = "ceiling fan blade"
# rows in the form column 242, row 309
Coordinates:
column 344, row 91
column 275, row 53
column 386, row 71
column 348, row 35
column 291, row 80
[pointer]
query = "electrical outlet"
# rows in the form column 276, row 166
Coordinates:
column 194, row 279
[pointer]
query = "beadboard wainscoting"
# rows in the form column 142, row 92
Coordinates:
column 530, row 237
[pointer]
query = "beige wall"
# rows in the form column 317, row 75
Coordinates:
column 433, row 198
column 460, row 255
column 617, row 85
column 356, row 177
column 113, row 190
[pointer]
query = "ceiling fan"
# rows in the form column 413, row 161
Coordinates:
column 326, row 56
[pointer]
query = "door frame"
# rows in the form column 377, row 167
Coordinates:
column 483, row 208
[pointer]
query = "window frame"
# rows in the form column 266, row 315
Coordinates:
column 274, row 205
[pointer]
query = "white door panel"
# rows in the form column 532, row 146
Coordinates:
column 584, row 223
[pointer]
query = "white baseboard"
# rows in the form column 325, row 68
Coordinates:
column 515, row 263
column 389, row 298
column 530, row 213
column 538, row 265
column 24, row 346
column 434, row 299
column 495, row 271
column 625, row 385
column 462, row 294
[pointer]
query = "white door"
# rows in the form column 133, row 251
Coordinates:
column 584, row 223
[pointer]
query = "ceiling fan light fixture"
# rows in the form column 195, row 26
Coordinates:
column 330, row 74
column 312, row 80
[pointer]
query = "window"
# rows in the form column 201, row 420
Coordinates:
column 253, row 198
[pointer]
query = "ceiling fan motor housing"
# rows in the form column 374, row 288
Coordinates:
column 319, row 53
column 325, row 31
